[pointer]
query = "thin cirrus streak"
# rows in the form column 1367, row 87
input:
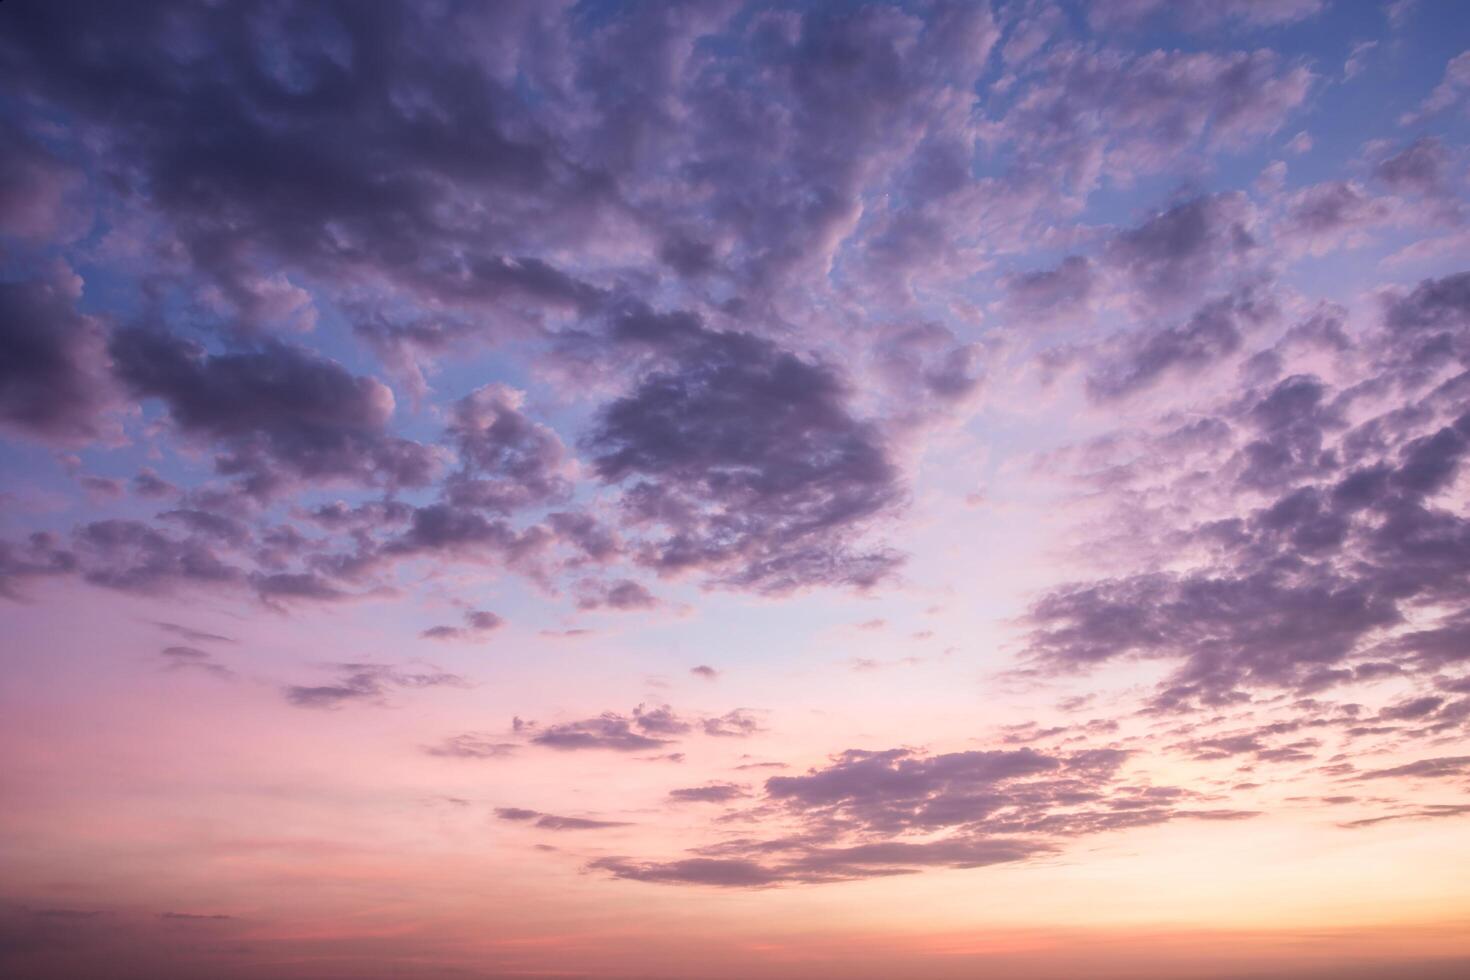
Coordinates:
column 735, row 489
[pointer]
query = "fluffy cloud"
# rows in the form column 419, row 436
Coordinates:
column 747, row 457
column 53, row 360
column 279, row 413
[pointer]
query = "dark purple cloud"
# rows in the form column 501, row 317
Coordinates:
column 660, row 720
column 150, row 486
column 41, row 194
column 607, row 731
column 1444, row 767
column 1323, row 216
column 1434, row 317
column 443, row 530
column 1096, row 112
column 1421, row 167
column 290, row 143
column 278, row 413
column 53, row 361
column 136, row 557
column 1175, row 255
column 1146, row 357
column 645, row 727
column 1203, row 14
column 723, row 872
column 622, row 595
column 1341, row 533
column 38, row 556
column 747, row 458
column 875, row 814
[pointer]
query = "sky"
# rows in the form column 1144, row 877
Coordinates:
column 735, row 490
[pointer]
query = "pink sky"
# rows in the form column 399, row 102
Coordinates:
column 735, row 490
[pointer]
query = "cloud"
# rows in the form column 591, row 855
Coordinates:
column 507, row 462
column 1253, row 744
column 642, row 729
column 709, row 793
column 607, row 731
column 1331, row 215
column 42, row 196
column 1327, row 531
column 1145, row 358
column 193, row 917
column 923, row 373
column 38, row 557
column 1429, row 812
column 279, row 413
column 1421, row 167
column 733, row 724
column 136, row 557
column 439, row 206
column 1047, row 295
column 368, row 684
column 1174, row 255
column 478, row 622
column 471, row 745
column 1412, row 709
column 749, row 459
column 54, row 382
column 1439, row 768
column 1450, row 92
column 1201, row 15
column 549, row 821
column 876, row 814
column 1357, row 59
column 150, row 486
column 705, row 671
column 1094, row 113
column 723, row 872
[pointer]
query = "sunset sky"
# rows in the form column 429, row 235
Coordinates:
column 735, row 491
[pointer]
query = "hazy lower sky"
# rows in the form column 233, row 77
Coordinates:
column 735, row 491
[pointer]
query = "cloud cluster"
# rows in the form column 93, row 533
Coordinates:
column 1338, row 529
column 874, row 814
column 54, row 380
column 441, row 179
column 644, row 728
